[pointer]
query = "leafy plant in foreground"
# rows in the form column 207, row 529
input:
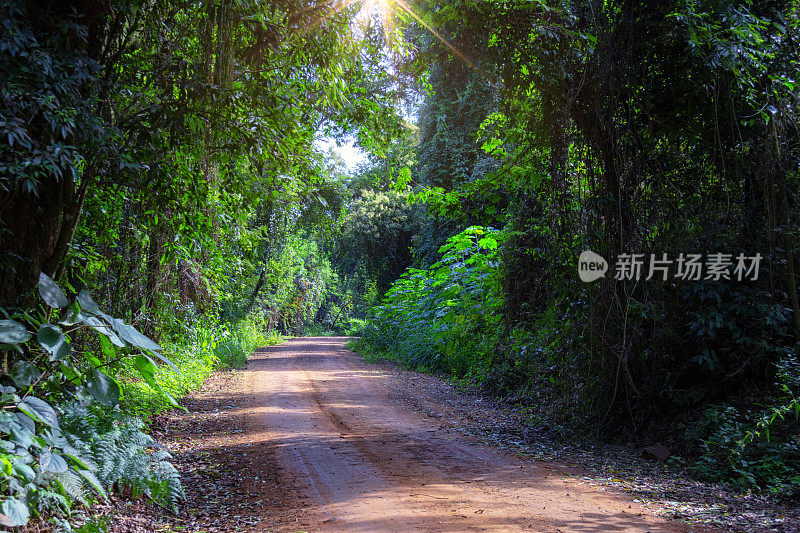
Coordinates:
column 126, row 456
column 45, row 467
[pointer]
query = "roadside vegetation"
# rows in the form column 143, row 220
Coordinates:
column 598, row 140
column 164, row 210
column 166, row 207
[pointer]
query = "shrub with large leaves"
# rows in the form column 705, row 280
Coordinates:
column 42, row 465
column 436, row 318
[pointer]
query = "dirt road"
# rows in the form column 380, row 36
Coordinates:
column 355, row 451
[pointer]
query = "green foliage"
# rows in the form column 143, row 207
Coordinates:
column 166, row 156
column 755, row 447
column 44, row 77
column 198, row 350
column 126, row 458
column 374, row 247
column 234, row 347
column 318, row 330
column 440, row 319
column 726, row 451
column 617, row 144
column 355, row 327
column 450, row 116
column 732, row 328
column 50, row 460
column 78, row 442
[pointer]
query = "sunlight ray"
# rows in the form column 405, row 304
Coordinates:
column 435, row 33
column 385, row 9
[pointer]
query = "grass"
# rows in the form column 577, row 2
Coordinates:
column 370, row 352
column 203, row 351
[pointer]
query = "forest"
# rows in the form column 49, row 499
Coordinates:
column 173, row 196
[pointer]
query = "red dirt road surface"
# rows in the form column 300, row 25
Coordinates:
column 350, row 450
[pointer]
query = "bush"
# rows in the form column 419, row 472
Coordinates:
column 443, row 318
column 319, row 330
column 59, row 446
column 355, row 327
column 754, row 448
column 70, row 417
column 207, row 348
column 126, row 457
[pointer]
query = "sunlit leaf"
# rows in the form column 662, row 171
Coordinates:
column 51, row 293
column 103, row 388
column 12, row 332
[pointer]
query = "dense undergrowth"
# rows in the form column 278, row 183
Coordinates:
column 205, row 347
column 77, row 400
column 446, row 319
column 436, row 319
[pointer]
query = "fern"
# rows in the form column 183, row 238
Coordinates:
column 122, row 456
column 47, row 500
column 71, row 485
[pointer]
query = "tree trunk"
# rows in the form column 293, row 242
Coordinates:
column 35, row 232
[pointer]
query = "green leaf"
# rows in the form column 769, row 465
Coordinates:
column 50, row 337
column 147, row 369
column 145, row 364
column 51, row 293
column 94, row 482
column 87, row 304
column 25, row 422
column 7, row 468
column 73, row 454
column 488, row 242
column 72, row 316
column 133, row 336
column 26, row 472
column 70, row 373
column 24, row 373
column 103, row 329
column 12, row 332
column 103, row 388
column 94, row 361
column 39, row 410
column 21, row 436
column 52, row 462
column 61, row 352
column 9, row 347
column 107, row 347
column 15, row 513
